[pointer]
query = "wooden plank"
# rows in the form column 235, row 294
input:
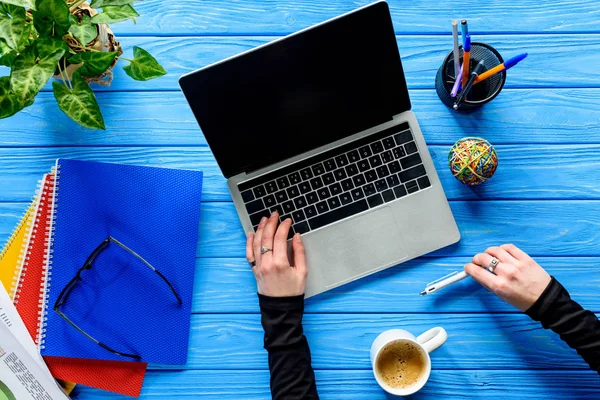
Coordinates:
column 360, row 385
column 202, row 17
column 227, row 285
column 164, row 118
column 342, row 341
column 421, row 58
column 525, row 171
column 542, row 228
column 20, row 177
column 557, row 228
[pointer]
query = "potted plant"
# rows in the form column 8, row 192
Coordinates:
column 70, row 40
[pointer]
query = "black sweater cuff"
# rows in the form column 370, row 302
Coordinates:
column 281, row 303
column 292, row 376
column 543, row 307
column 579, row 328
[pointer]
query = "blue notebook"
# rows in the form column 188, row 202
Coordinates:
column 120, row 301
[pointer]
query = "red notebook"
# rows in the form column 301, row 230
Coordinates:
column 116, row 376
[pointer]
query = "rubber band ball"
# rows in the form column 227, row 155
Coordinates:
column 472, row 160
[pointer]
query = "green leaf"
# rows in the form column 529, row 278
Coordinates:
column 104, row 3
column 4, row 49
column 12, row 26
column 9, row 103
column 112, row 14
column 51, row 17
column 46, row 45
column 84, row 31
column 8, row 59
column 34, row 67
column 94, row 63
column 80, row 103
column 143, row 67
column 21, row 3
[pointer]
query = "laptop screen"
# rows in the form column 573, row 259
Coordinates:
column 299, row 93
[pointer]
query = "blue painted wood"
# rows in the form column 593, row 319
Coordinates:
column 542, row 228
column 164, row 119
column 421, row 58
column 539, row 227
column 525, row 171
column 546, row 125
column 342, row 341
column 360, row 385
column 242, row 17
column 227, row 286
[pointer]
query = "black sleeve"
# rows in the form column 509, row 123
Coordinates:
column 292, row 376
column 579, row 328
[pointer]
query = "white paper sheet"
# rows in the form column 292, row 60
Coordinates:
column 23, row 373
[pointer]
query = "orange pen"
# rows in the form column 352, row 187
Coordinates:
column 466, row 60
column 499, row 68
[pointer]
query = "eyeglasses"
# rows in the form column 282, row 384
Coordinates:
column 64, row 294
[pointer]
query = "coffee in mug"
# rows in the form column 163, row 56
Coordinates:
column 401, row 362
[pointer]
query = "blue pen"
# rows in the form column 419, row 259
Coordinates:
column 499, row 68
column 466, row 67
column 464, row 30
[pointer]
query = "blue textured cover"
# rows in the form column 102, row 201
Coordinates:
column 120, row 301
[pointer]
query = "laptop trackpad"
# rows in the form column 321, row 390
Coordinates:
column 356, row 247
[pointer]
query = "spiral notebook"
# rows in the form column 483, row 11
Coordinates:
column 11, row 257
column 115, row 376
column 120, row 301
column 30, row 288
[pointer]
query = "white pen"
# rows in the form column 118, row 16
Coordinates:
column 455, row 49
column 444, row 281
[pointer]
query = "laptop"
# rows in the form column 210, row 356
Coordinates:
column 318, row 126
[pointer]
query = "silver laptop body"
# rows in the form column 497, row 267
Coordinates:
column 390, row 230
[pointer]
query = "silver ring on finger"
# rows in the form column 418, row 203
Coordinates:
column 265, row 249
column 493, row 264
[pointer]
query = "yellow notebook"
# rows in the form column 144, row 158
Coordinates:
column 11, row 257
column 67, row 386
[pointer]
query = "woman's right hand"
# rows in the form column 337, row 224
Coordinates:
column 517, row 279
column 276, row 275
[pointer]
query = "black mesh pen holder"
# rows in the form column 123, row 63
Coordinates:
column 481, row 93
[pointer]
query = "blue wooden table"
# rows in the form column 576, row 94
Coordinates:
column 544, row 197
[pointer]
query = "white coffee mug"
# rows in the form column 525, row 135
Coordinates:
column 427, row 342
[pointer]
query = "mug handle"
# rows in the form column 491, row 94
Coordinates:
column 433, row 338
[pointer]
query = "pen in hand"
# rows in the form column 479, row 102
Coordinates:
column 444, row 281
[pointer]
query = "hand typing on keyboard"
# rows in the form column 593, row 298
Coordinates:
column 275, row 277
column 339, row 183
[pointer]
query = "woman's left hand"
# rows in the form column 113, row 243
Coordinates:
column 517, row 278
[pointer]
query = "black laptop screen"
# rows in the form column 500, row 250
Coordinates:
column 300, row 93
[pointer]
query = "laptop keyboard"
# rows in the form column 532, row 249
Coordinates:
column 339, row 183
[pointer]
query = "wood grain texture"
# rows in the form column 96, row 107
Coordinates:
column 206, row 17
column 542, row 228
column 557, row 228
column 227, row 285
column 421, row 58
column 544, row 197
column 360, row 385
column 165, row 119
column 525, row 171
column 342, row 341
